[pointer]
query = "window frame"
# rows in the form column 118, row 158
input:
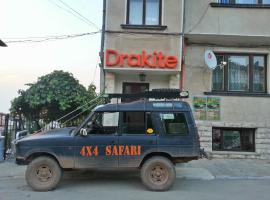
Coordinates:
column 164, row 132
column 144, row 14
column 241, row 130
column 259, row 2
column 102, row 113
column 121, row 121
column 250, row 74
column 232, row 4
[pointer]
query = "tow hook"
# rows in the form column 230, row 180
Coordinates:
column 204, row 154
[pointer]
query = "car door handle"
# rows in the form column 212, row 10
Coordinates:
column 112, row 142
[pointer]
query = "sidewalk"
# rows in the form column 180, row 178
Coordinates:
column 233, row 168
column 200, row 169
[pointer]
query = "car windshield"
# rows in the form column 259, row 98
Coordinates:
column 77, row 130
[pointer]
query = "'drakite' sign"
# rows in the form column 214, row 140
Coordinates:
column 142, row 60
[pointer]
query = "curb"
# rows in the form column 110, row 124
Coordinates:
column 242, row 177
column 194, row 174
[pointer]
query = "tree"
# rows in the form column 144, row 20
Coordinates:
column 51, row 97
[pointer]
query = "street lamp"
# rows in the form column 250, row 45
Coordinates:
column 2, row 44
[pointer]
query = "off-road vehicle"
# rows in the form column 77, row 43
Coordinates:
column 148, row 135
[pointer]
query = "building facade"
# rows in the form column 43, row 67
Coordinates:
column 161, row 44
column 142, row 45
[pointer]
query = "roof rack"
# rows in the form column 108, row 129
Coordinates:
column 154, row 94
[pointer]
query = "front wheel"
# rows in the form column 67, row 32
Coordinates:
column 158, row 173
column 43, row 174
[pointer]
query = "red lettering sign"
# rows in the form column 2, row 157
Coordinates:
column 143, row 60
column 88, row 151
column 121, row 150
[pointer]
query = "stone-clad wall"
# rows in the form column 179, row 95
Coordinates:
column 262, row 140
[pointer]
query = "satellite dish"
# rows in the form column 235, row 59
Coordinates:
column 210, row 59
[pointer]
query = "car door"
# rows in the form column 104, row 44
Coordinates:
column 102, row 134
column 137, row 138
column 175, row 137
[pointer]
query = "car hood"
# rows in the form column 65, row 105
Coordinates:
column 54, row 133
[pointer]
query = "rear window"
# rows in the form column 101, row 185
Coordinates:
column 174, row 123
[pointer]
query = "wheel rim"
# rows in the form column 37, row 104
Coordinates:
column 159, row 175
column 44, row 173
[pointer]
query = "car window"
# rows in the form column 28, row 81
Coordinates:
column 137, row 123
column 174, row 123
column 103, row 123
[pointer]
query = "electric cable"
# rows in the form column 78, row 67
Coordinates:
column 80, row 107
column 200, row 19
column 70, row 12
column 92, row 23
column 90, row 107
column 50, row 38
column 94, row 76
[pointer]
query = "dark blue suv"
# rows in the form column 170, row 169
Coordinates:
column 148, row 135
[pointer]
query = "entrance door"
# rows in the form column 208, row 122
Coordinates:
column 132, row 88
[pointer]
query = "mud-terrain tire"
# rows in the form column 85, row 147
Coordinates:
column 158, row 173
column 43, row 174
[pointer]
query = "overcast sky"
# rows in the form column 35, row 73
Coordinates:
column 22, row 63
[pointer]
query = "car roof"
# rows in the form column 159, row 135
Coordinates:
column 145, row 106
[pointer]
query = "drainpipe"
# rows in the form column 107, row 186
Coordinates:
column 183, row 49
column 101, row 54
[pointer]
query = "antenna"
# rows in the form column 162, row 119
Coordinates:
column 210, row 59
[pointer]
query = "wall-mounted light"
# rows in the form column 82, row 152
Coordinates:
column 142, row 77
column 2, row 44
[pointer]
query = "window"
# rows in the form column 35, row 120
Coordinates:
column 137, row 123
column 174, row 123
column 233, row 139
column 103, row 123
column 144, row 12
column 246, row 1
column 242, row 73
column 258, row 2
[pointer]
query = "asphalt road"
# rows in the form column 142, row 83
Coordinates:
column 127, row 186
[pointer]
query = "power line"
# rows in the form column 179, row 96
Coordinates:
column 94, row 75
column 81, row 19
column 200, row 20
column 49, row 38
column 79, row 14
column 72, row 13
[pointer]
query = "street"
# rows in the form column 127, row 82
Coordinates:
column 127, row 185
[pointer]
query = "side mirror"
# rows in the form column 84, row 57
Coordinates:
column 83, row 132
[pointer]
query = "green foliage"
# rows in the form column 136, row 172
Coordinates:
column 51, row 97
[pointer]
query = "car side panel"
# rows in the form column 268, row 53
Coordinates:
column 146, row 143
column 177, row 145
column 61, row 148
column 90, row 151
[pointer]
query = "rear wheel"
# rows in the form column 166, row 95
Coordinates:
column 158, row 173
column 43, row 174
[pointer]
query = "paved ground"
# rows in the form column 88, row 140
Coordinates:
column 234, row 168
column 200, row 169
column 115, row 187
column 203, row 179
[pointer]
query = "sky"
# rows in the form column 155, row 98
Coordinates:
column 24, row 62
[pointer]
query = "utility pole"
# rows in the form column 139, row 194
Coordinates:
column 6, row 135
